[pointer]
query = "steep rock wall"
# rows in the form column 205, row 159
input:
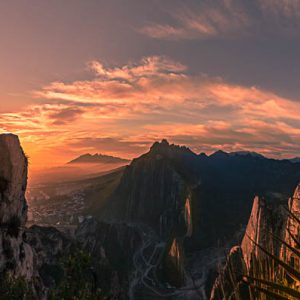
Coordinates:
column 16, row 256
column 13, row 180
column 292, row 228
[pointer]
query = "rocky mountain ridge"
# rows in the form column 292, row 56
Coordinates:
column 295, row 160
column 154, row 190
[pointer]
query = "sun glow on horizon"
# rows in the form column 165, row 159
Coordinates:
column 123, row 110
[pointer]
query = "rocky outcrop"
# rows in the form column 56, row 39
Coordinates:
column 268, row 224
column 115, row 243
column 16, row 256
column 13, row 181
column 292, row 228
column 113, row 248
column 258, row 231
column 229, row 281
column 48, row 245
column 241, row 258
column 152, row 191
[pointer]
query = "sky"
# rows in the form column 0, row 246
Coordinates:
column 114, row 76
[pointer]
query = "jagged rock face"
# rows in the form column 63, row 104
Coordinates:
column 48, row 242
column 13, row 180
column 112, row 248
column 267, row 223
column 47, row 246
column 258, row 231
column 16, row 255
column 292, row 225
column 229, row 280
column 153, row 192
column 241, row 258
column 115, row 242
column 220, row 188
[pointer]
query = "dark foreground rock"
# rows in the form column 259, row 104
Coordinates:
column 16, row 256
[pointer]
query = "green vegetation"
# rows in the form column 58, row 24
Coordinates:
column 75, row 283
column 78, row 282
column 15, row 288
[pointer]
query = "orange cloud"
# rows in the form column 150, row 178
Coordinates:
column 123, row 109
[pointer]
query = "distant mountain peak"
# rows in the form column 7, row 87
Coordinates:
column 219, row 154
column 166, row 149
column 158, row 145
column 244, row 153
column 295, row 160
column 97, row 159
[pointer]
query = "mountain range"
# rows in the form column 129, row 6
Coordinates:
column 295, row 160
column 160, row 231
column 97, row 159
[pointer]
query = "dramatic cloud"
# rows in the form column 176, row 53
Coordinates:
column 122, row 110
column 221, row 18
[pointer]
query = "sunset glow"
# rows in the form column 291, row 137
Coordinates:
column 118, row 102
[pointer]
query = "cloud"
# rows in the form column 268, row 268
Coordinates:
column 65, row 115
column 282, row 8
column 208, row 19
column 123, row 109
column 228, row 18
column 148, row 66
column 108, row 144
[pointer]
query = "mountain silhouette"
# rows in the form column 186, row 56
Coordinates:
column 97, row 159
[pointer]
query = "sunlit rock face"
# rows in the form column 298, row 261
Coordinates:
column 188, row 217
column 258, row 231
column 230, row 278
column 241, row 258
column 16, row 256
column 174, row 264
column 292, row 228
column 13, row 180
column 268, row 224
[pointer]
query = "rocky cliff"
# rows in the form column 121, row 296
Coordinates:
column 242, row 259
column 44, row 256
column 268, row 223
column 126, row 259
column 154, row 188
column 152, row 191
column 196, row 202
column 16, row 256
column 258, row 231
column 292, row 228
column 13, row 180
